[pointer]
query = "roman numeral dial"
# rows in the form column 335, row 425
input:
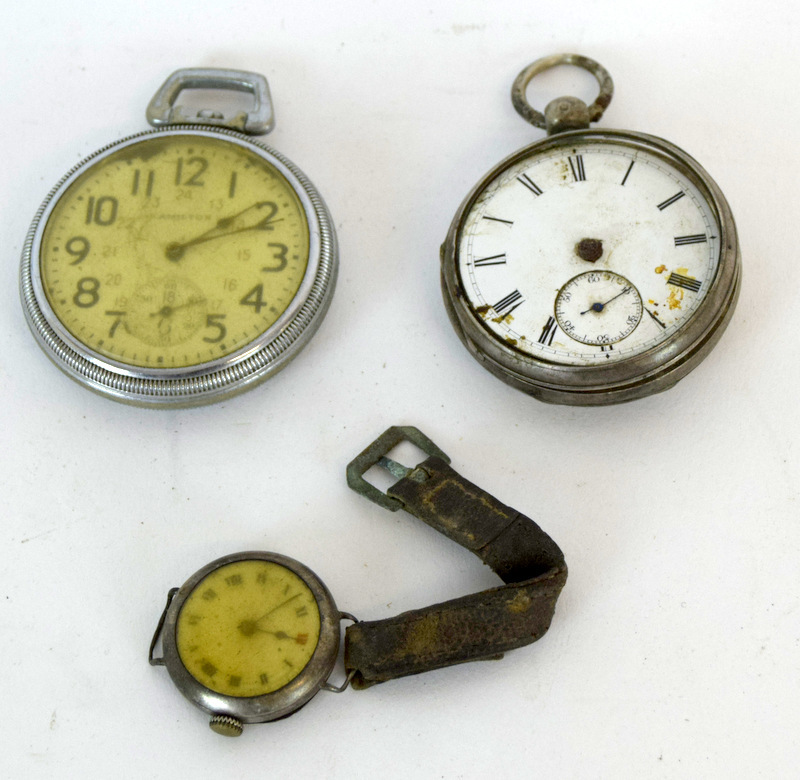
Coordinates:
column 587, row 254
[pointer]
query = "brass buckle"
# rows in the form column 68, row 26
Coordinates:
column 375, row 455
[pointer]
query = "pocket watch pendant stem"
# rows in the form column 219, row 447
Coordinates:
column 564, row 113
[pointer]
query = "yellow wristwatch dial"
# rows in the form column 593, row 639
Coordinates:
column 174, row 251
column 248, row 628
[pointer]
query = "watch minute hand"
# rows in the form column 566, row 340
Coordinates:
column 276, row 608
column 222, row 229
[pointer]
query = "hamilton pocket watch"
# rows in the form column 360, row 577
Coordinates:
column 253, row 636
column 594, row 266
column 182, row 264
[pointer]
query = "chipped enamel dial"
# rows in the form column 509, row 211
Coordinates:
column 549, row 243
column 592, row 267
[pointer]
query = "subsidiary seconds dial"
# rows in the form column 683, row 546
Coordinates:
column 597, row 290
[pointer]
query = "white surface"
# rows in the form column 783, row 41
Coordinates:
column 674, row 650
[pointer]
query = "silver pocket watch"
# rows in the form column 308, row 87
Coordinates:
column 594, row 266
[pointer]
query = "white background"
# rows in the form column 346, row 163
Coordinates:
column 676, row 643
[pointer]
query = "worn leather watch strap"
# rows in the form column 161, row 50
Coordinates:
column 475, row 627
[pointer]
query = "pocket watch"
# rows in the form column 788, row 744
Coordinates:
column 253, row 636
column 182, row 264
column 594, row 266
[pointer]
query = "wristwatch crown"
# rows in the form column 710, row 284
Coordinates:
column 226, row 725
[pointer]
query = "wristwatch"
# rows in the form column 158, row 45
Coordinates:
column 252, row 637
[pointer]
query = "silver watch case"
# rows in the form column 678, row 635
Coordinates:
column 215, row 380
column 270, row 706
column 649, row 372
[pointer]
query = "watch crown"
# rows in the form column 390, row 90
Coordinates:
column 226, row 725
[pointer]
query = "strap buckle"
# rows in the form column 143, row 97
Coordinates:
column 375, row 455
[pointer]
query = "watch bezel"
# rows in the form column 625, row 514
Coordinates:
column 213, row 380
column 639, row 375
column 269, row 706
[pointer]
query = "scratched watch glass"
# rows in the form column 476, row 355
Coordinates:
column 248, row 628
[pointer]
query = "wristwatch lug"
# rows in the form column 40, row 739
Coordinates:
column 159, row 627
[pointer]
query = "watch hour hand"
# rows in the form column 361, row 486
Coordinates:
column 250, row 627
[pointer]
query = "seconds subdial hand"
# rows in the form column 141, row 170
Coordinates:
column 601, row 306
column 259, row 216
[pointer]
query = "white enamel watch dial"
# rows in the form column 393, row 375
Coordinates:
column 549, row 244
column 592, row 267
